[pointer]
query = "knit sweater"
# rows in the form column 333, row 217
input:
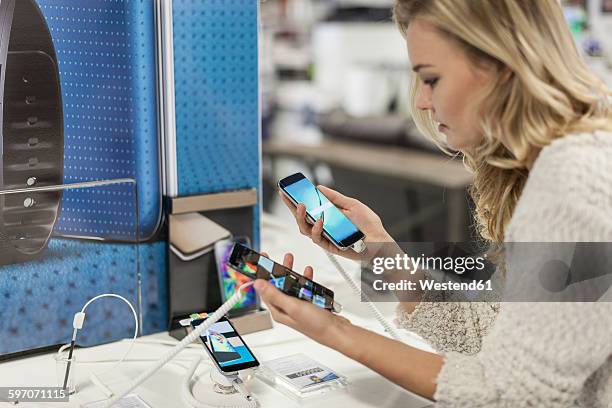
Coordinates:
column 534, row 354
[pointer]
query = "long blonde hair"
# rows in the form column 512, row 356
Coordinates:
column 549, row 92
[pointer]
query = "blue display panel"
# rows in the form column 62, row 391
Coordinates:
column 106, row 57
column 217, row 97
column 42, row 296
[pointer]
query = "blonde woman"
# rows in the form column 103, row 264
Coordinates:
column 501, row 82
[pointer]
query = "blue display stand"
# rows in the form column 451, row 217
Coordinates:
column 107, row 60
column 217, row 97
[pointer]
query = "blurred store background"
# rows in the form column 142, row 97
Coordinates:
column 335, row 107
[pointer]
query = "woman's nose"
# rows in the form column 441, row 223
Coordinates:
column 423, row 99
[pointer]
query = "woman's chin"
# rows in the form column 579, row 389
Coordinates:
column 459, row 143
column 455, row 143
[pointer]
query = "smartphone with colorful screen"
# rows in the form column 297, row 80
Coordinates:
column 256, row 266
column 225, row 346
column 337, row 228
column 230, row 280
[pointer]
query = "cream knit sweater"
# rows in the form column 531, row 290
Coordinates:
column 534, row 354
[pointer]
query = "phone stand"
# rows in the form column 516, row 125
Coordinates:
column 222, row 383
column 228, row 383
column 215, row 389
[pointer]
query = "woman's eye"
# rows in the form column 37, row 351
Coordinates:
column 431, row 82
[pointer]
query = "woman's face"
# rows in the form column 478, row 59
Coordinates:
column 450, row 83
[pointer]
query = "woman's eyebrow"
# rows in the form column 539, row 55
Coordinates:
column 417, row 67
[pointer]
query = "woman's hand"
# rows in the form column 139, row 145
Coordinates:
column 410, row 368
column 360, row 214
column 315, row 322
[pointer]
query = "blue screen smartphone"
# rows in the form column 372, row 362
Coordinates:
column 225, row 346
column 338, row 229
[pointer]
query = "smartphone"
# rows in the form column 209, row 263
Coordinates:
column 230, row 280
column 256, row 266
column 338, row 229
column 225, row 346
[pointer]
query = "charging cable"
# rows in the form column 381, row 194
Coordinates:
column 357, row 289
column 197, row 331
column 77, row 324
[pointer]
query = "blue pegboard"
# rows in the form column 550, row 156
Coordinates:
column 216, row 92
column 106, row 57
column 39, row 298
column 217, row 96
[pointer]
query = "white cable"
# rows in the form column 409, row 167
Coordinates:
column 191, row 400
column 219, row 313
column 162, row 342
column 113, row 295
column 129, row 360
column 77, row 324
column 356, row 288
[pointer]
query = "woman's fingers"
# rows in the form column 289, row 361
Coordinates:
column 281, row 306
column 316, row 234
column 301, row 219
column 309, row 272
column 339, row 199
column 288, row 260
column 299, row 212
column 280, row 316
column 317, row 231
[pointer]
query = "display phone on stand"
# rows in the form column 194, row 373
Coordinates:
column 225, row 347
column 256, row 266
column 337, row 228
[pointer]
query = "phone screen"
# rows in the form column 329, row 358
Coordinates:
column 257, row 266
column 335, row 224
column 226, row 346
column 231, row 280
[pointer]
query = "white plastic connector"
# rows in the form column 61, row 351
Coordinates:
column 77, row 324
column 78, row 320
column 359, row 246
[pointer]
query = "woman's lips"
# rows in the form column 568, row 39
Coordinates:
column 442, row 128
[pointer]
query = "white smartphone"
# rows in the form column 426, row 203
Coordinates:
column 337, row 228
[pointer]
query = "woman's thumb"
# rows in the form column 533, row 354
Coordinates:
column 335, row 197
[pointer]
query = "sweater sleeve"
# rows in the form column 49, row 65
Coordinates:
column 537, row 355
column 449, row 326
column 450, row 323
column 545, row 354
